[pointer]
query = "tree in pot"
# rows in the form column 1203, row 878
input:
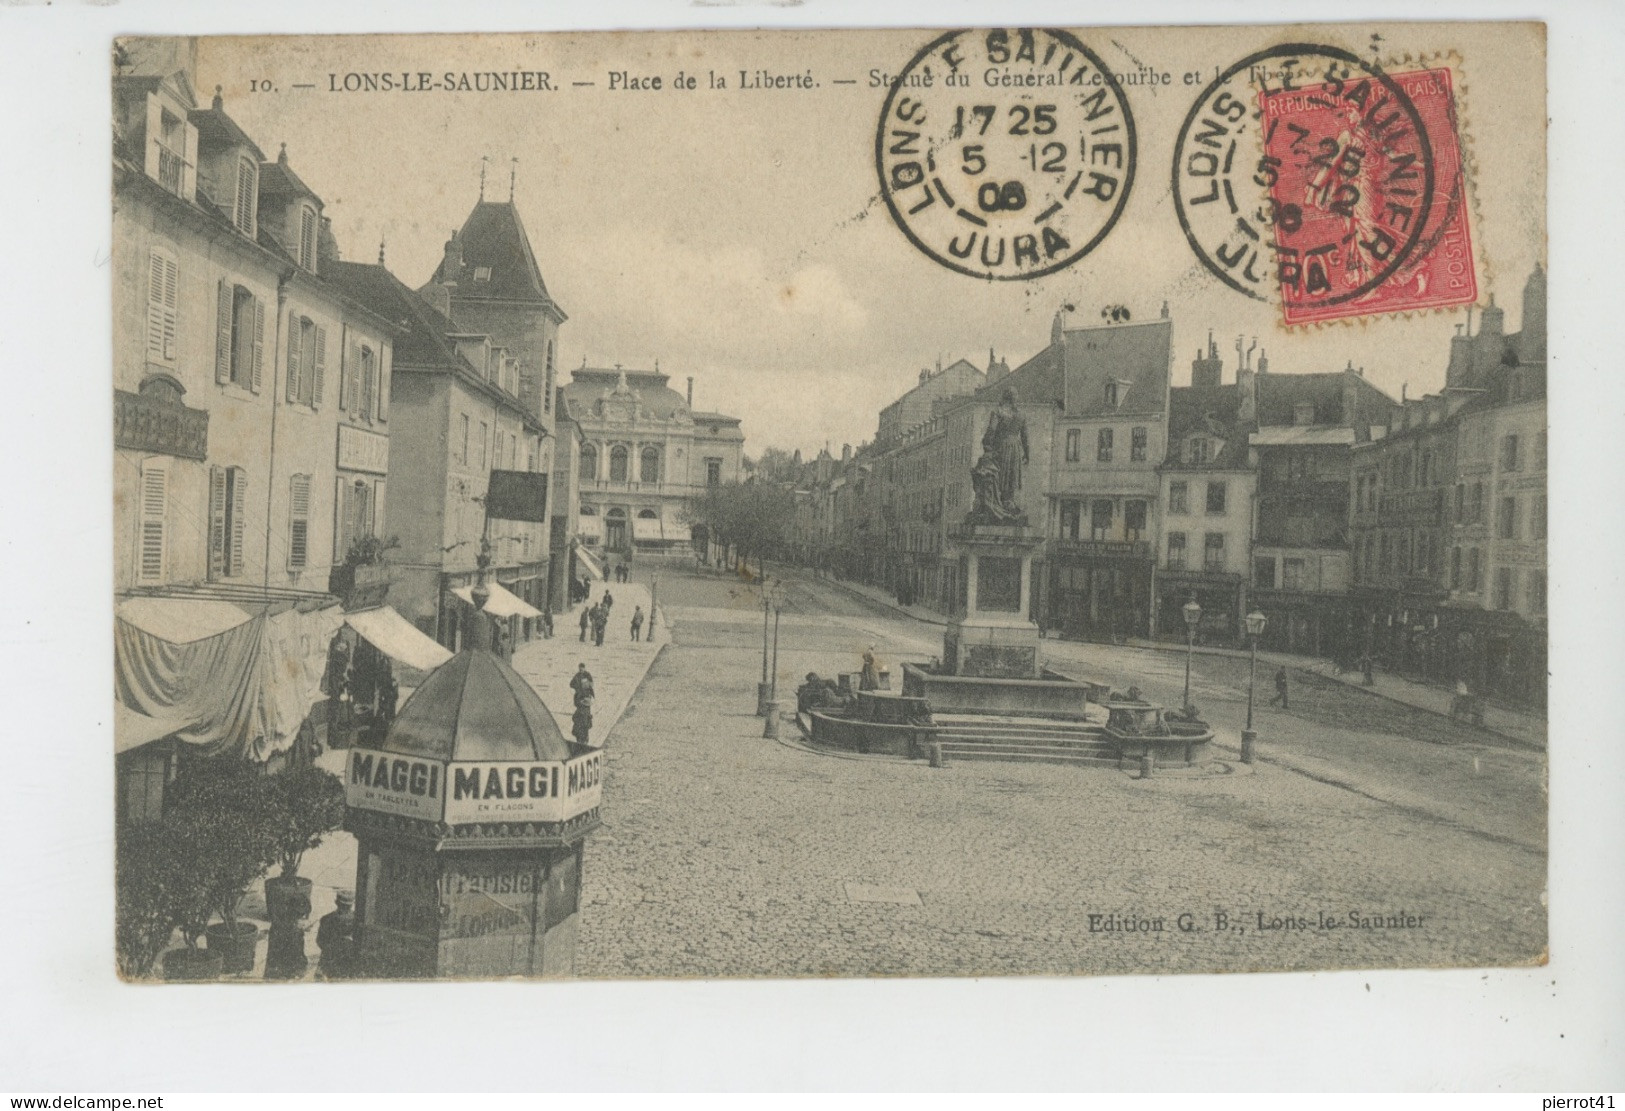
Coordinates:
column 220, row 808
column 305, row 804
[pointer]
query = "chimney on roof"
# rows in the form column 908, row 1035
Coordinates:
column 1165, row 310
column 1263, row 363
column 327, row 247
column 1207, row 370
column 1532, row 328
column 846, row 453
column 451, row 264
column 1351, row 397
column 691, row 391
column 218, row 103
column 924, row 374
column 1055, row 330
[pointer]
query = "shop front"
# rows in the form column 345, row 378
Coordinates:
column 1098, row 590
column 1222, row 596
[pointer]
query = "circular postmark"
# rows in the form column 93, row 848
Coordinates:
column 1304, row 169
column 1005, row 154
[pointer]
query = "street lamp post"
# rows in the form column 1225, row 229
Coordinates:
column 761, row 687
column 1193, row 616
column 1255, row 629
column 771, row 707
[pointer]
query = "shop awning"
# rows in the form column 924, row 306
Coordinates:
column 590, row 528
column 647, row 528
column 398, row 638
column 589, row 563
column 132, row 729
column 181, row 620
column 501, row 603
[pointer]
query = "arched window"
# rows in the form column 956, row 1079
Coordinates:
column 617, row 463
column 589, row 462
column 646, row 515
column 649, row 465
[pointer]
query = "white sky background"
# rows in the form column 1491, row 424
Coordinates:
column 738, row 236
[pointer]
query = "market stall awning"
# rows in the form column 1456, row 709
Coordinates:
column 501, row 603
column 132, row 729
column 181, row 620
column 647, row 528
column 589, row 563
column 398, row 638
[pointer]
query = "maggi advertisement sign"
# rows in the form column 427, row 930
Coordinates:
column 463, row 793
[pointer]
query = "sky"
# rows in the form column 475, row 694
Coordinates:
column 737, row 235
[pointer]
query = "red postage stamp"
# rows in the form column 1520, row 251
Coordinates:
column 1373, row 216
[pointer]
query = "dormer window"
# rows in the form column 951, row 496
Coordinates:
column 248, row 184
column 171, row 152
column 1200, row 450
column 482, row 273
column 1303, row 413
column 307, row 238
column 1111, row 394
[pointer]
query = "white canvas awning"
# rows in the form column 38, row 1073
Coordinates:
column 398, row 638
column 647, row 528
column 501, row 603
column 132, row 729
column 589, row 563
column 181, row 620
column 590, row 528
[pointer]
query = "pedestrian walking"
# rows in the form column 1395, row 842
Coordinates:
column 1280, row 689
column 870, row 679
column 581, row 683
column 581, row 721
column 607, row 601
column 335, row 937
column 637, row 623
column 600, row 621
column 586, row 619
column 1369, row 679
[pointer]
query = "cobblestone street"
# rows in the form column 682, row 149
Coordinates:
column 725, row 854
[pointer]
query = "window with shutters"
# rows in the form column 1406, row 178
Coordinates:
column 248, row 184
column 1178, row 497
column 1136, row 445
column 1176, row 551
column 369, row 382
column 228, row 521
column 1103, row 445
column 152, row 535
column 483, row 447
column 307, row 238
column 244, row 311
column 163, row 280
column 1100, row 520
column 360, row 510
column 1506, row 521
column 1213, row 553
column 1215, row 498
column 462, row 451
column 298, row 521
column 1134, row 519
column 1074, row 441
column 1071, row 518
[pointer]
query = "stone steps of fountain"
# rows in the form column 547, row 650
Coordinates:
column 1024, row 740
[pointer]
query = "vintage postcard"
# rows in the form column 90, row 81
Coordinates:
column 996, row 501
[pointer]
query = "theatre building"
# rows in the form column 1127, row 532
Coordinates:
column 645, row 451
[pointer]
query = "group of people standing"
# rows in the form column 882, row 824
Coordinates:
column 595, row 619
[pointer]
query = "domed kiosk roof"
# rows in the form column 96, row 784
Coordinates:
column 474, row 707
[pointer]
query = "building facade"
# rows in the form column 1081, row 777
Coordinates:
column 645, row 452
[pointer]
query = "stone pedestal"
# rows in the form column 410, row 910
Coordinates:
column 994, row 638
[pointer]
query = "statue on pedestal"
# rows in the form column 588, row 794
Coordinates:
column 996, row 477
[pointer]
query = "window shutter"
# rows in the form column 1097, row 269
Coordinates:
column 320, row 370
column 341, row 515
column 155, row 128
column 353, row 382
column 378, row 508
column 239, row 487
column 293, row 359
column 154, row 496
column 222, row 342
column 385, row 352
column 259, row 343
column 189, row 169
column 162, row 280
column 347, row 357
column 217, row 522
column 298, row 521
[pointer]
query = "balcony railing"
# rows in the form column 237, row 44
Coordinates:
column 146, row 423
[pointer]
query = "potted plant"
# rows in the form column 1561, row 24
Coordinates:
column 220, row 809
column 152, row 880
column 305, row 804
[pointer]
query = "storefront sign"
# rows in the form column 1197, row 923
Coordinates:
column 459, row 793
column 1111, row 549
column 360, row 450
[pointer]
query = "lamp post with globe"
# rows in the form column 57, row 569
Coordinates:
column 1255, row 629
column 1193, row 617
